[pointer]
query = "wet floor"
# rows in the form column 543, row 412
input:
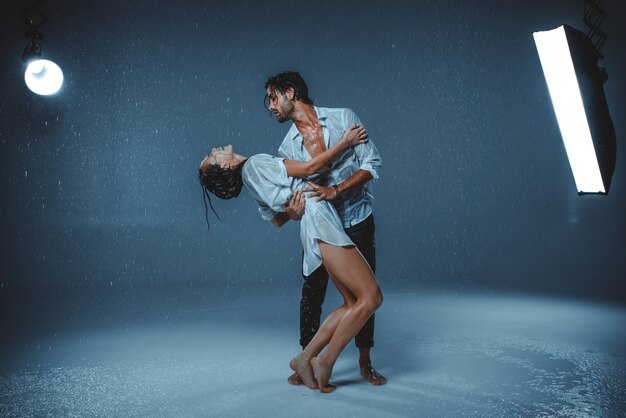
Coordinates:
column 444, row 355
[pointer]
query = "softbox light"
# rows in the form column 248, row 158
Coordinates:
column 575, row 82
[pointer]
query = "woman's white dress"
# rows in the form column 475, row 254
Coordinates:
column 266, row 178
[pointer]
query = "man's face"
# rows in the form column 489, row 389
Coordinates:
column 280, row 104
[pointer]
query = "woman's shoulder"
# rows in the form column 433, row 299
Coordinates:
column 264, row 159
column 265, row 168
column 263, row 163
column 260, row 157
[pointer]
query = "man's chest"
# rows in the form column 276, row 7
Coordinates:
column 313, row 141
column 316, row 141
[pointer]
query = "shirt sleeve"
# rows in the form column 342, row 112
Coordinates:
column 265, row 211
column 285, row 150
column 267, row 178
column 366, row 154
column 274, row 171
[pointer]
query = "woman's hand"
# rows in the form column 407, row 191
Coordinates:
column 355, row 135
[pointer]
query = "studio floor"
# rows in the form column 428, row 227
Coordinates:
column 445, row 355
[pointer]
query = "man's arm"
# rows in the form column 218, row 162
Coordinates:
column 369, row 167
column 280, row 219
column 294, row 209
column 354, row 136
column 356, row 180
column 366, row 154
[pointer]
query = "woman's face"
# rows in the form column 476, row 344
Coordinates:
column 222, row 157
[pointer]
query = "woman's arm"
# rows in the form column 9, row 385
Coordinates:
column 353, row 136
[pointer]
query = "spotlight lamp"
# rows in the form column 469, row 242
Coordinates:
column 569, row 60
column 42, row 76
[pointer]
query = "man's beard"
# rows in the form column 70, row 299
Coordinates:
column 283, row 116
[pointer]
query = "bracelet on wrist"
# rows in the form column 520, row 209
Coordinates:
column 336, row 190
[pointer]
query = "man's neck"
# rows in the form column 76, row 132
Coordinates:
column 304, row 117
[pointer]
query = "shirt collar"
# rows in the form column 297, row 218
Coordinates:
column 321, row 117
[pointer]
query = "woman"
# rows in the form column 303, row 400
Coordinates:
column 272, row 181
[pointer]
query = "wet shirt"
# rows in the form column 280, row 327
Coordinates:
column 266, row 179
column 355, row 206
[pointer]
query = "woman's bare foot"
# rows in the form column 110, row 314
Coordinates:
column 294, row 379
column 322, row 372
column 303, row 369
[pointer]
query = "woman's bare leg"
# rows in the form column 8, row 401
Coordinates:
column 301, row 364
column 356, row 282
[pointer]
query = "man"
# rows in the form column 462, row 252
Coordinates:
column 345, row 184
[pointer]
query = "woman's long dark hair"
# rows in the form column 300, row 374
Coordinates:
column 222, row 182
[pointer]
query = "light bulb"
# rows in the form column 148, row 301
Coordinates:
column 43, row 77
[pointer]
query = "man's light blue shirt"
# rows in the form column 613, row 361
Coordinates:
column 355, row 206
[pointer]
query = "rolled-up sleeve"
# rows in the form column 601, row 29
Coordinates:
column 266, row 212
column 367, row 154
column 285, row 151
column 267, row 180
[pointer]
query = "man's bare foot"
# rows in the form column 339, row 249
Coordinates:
column 294, row 379
column 367, row 371
column 372, row 375
column 322, row 372
column 303, row 369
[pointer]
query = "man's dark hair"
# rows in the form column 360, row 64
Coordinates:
column 283, row 81
column 222, row 182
